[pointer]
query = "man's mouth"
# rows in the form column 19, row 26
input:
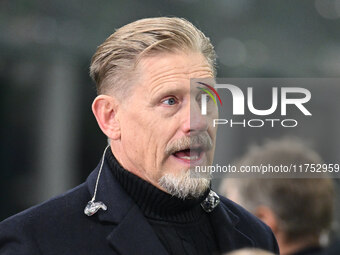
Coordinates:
column 191, row 155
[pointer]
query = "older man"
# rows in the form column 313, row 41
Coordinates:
column 141, row 198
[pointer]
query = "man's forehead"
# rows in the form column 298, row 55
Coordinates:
column 189, row 65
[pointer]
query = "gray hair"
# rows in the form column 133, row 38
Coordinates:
column 115, row 60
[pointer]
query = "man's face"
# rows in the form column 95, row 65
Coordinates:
column 161, row 117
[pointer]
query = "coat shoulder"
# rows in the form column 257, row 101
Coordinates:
column 65, row 205
column 250, row 225
column 54, row 221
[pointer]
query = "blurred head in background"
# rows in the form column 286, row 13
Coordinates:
column 298, row 211
column 249, row 251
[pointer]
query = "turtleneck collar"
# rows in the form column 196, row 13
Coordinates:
column 153, row 202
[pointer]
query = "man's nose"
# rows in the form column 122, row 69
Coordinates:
column 195, row 122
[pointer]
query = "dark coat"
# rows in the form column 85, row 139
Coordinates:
column 59, row 226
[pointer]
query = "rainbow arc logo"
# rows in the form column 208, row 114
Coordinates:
column 209, row 93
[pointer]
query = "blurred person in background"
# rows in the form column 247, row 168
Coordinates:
column 299, row 211
column 141, row 198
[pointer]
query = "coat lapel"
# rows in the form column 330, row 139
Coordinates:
column 224, row 223
column 132, row 234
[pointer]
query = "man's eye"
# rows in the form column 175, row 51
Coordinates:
column 170, row 101
column 207, row 97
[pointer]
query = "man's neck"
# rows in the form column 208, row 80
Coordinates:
column 124, row 162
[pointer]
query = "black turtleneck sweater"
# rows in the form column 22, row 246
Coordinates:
column 181, row 225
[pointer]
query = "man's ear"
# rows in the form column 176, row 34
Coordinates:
column 267, row 215
column 105, row 110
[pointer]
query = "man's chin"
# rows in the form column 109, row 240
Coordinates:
column 185, row 184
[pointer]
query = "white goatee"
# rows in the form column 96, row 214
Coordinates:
column 185, row 185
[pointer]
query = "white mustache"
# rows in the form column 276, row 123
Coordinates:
column 202, row 140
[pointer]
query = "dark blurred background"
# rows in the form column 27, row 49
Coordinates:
column 49, row 138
